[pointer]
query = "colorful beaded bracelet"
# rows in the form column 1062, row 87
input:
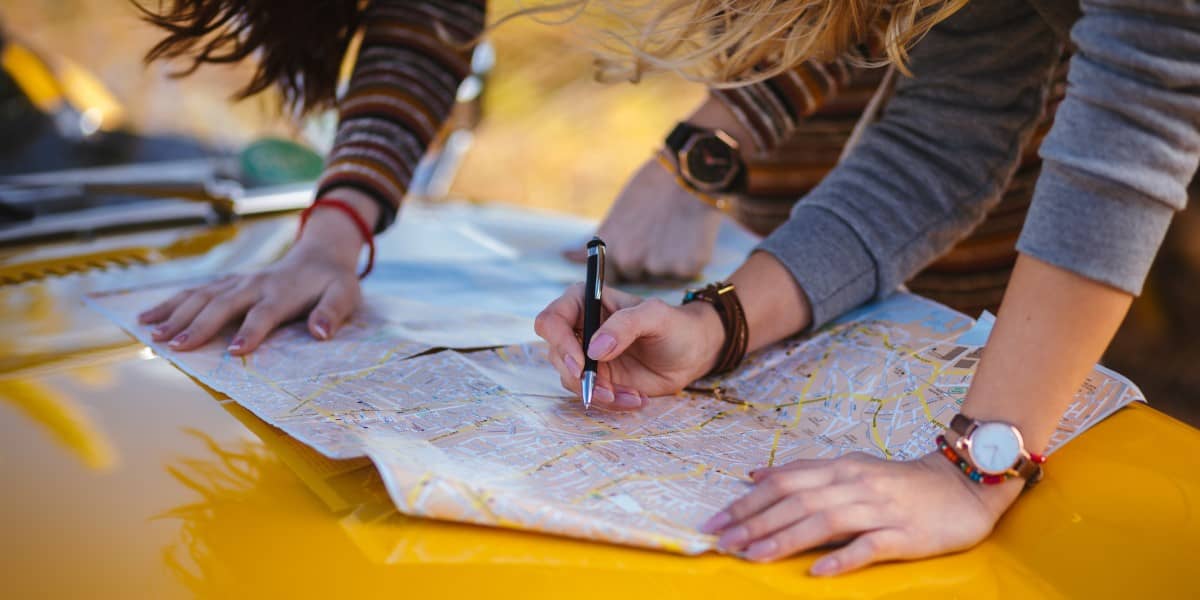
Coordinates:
column 971, row 473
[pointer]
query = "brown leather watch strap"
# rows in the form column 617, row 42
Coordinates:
column 723, row 298
column 961, row 424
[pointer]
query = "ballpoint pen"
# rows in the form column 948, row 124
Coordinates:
column 592, row 291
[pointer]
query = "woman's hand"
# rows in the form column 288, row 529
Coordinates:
column 885, row 510
column 646, row 347
column 658, row 230
column 318, row 273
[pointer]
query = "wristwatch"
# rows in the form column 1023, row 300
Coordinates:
column 995, row 448
column 708, row 159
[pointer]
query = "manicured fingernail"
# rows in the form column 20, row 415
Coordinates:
column 158, row 332
column 571, row 365
column 321, row 328
column 827, row 565
column 716, row 523
column 734, row 539
column 601, row 345
column 237, row 343
column 627, row 400
column 762, row 549
column 179, row 340
column 603, row 395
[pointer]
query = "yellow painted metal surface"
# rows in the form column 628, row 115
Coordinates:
column 124, row 478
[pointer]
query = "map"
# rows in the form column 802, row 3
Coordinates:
column 488, row 436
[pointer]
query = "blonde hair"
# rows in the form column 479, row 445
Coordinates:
column 726, row 43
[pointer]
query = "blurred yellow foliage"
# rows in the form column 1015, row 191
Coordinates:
column 551, row 137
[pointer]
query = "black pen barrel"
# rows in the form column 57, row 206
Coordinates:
column 592, row 293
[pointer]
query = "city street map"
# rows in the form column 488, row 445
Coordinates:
column 466, row 420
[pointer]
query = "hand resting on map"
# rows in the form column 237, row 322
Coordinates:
column 656, row 229
column 317, row 276
column 880, row 510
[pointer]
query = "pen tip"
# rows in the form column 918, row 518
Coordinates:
column 589, row 385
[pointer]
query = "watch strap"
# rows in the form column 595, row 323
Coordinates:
column 961, row 424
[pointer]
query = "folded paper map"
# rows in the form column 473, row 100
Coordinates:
column 489, row 436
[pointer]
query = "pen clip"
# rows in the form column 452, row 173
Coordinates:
column 598, row 252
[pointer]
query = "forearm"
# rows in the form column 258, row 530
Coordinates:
column 401, row 92
column 774, row 304
column 923, row 175
column 1052, row 328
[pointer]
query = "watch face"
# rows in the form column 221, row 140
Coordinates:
column 710, row 161
column 995, row 447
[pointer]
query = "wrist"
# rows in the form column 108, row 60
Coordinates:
column 331, row 234
column 711, row 332
column 995, row 498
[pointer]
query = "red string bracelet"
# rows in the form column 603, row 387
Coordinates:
column 349, row 211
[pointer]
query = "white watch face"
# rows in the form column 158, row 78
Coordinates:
column 995, row 448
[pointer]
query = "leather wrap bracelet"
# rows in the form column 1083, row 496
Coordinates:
column 724, row 299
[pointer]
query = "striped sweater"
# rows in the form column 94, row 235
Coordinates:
column 408, row 70
column 411, row 61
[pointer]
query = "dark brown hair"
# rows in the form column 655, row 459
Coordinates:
column 298, row 44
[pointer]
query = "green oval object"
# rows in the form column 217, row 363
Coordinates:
column 274, row 161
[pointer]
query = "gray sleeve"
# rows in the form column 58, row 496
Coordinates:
column 928, row 170
column 1125, row 142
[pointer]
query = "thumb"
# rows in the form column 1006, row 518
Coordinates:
column 336, row 305
column 625, row 327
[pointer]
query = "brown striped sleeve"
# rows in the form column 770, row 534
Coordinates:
column 771, row 109
column 401, row 92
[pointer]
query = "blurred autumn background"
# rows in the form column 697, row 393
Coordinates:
column 550, row 138
column 553, row 137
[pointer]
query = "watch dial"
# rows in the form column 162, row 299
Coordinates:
column 995, row 448
column 710, row 160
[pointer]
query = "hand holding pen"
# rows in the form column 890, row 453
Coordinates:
column 593, row 293
column 645, row 347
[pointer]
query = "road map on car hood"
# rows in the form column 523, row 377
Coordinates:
column 488, row 436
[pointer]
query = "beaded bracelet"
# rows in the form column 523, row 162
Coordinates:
column 971, row 473
column 359, row 222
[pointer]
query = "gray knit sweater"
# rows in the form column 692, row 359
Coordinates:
column 1116, row 164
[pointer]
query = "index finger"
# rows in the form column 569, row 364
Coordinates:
column 558, row 321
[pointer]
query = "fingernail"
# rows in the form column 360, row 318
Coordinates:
column 752, row 474
column 179, row 340
column 571, row 364
column 762, row 549
column 603, row 395
column 237, row 343
column 321, row 328
column 827, row 565
column 158, row 332
column 734, row 539
column 601, row 345
column 627, row 400
column 716, row 523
